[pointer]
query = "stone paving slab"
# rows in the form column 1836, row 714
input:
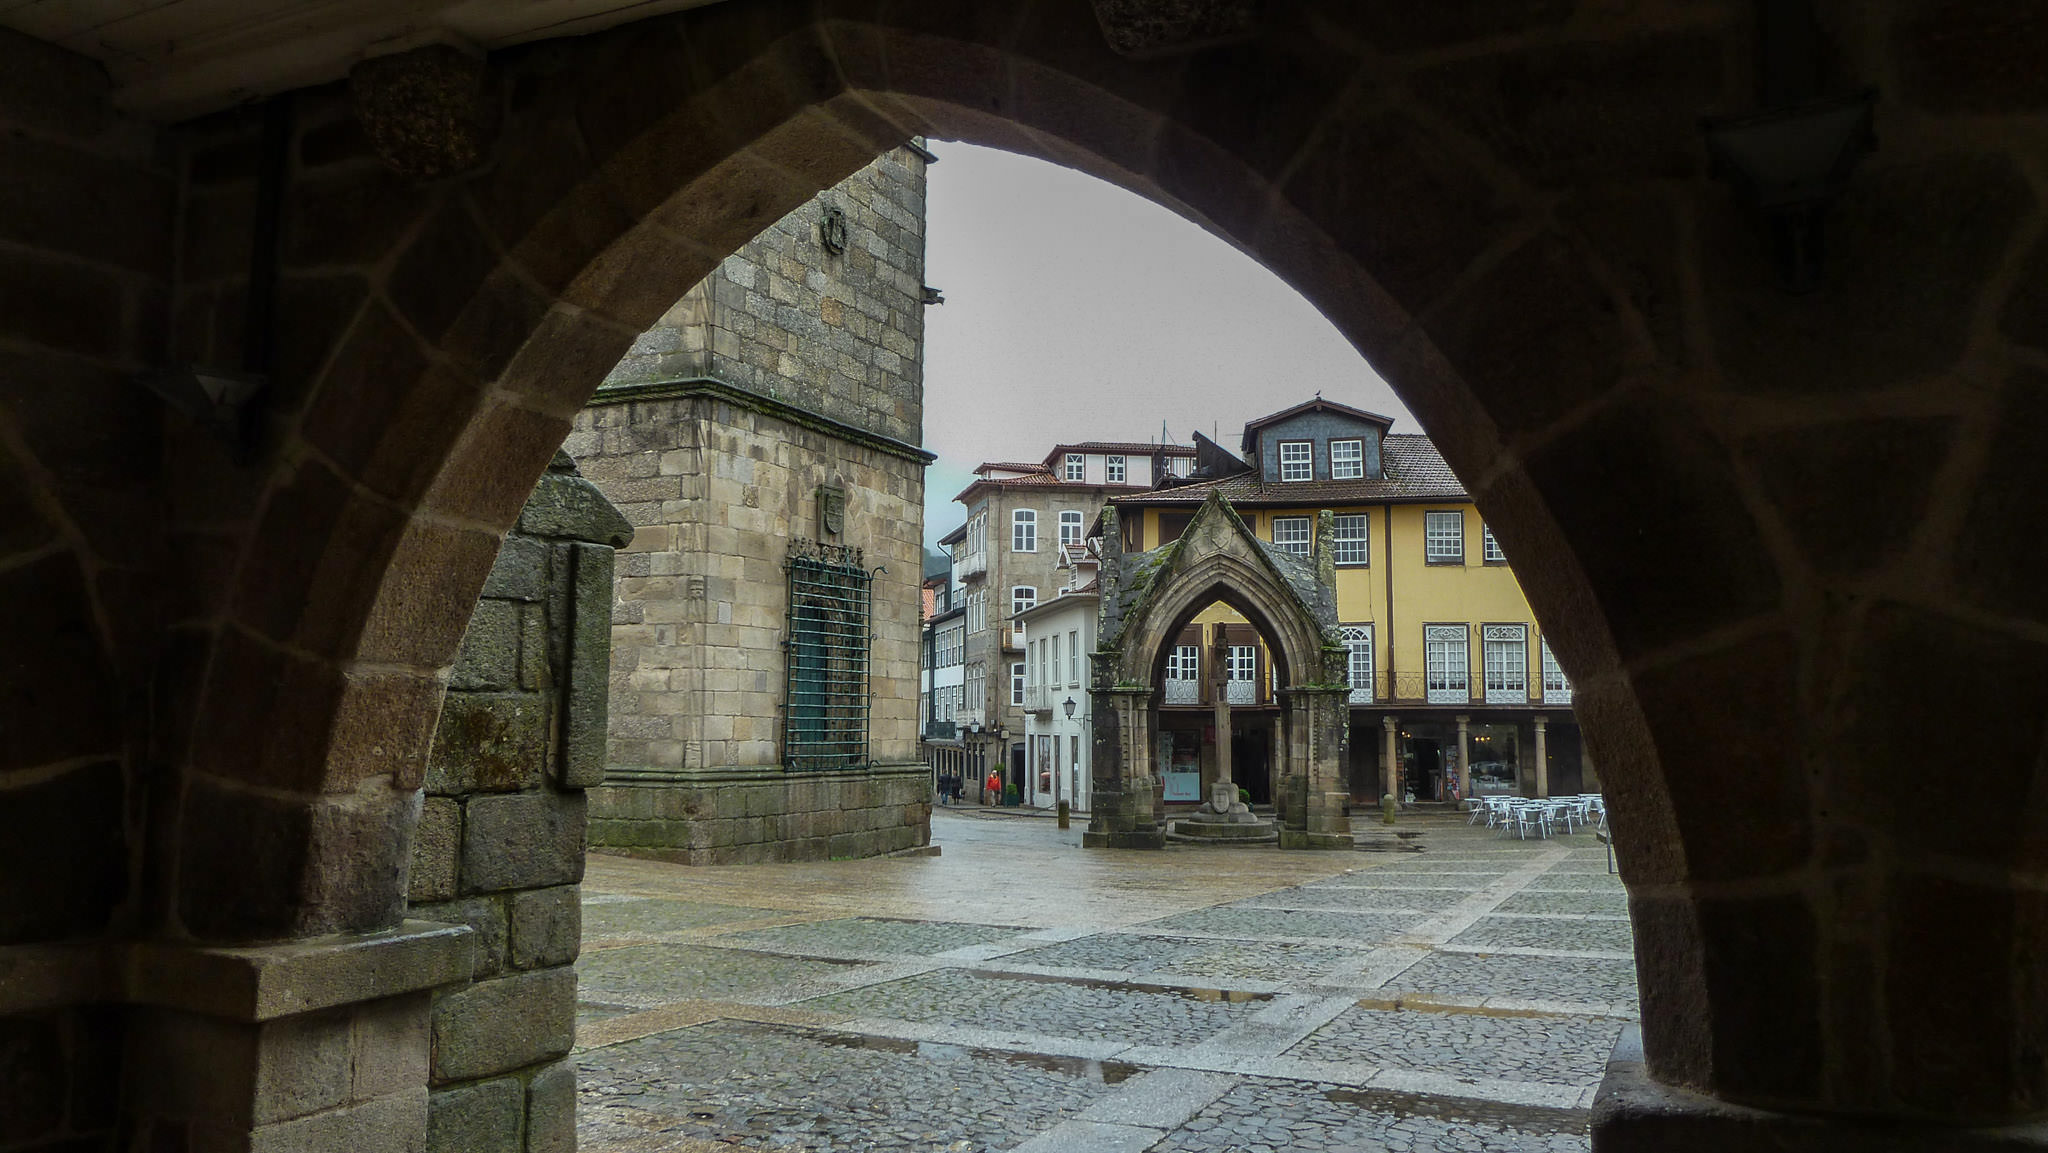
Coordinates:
column 867, row 936
column 641, row 917
column 1358, row 900
column 1299, row 924
column 1269, row 1116
column 1548, row 933
column 1501, row 975
column 1542, row 901
column 1549, row 1050
column 1051, row 1007
column 1189, row 957
column 647, row 975
column 758, row 1086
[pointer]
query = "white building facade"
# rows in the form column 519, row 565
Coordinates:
column 1059, row 634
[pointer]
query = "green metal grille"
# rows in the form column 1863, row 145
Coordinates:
column 826, row 717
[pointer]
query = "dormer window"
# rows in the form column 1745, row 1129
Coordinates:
column 1347, row 459
column 1297, row 460
column 1115, row 465
column 1077, row 466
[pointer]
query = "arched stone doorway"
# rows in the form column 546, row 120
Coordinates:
column 1789, row 537
column 1147, row 598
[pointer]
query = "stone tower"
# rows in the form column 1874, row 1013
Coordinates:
column 775, row 411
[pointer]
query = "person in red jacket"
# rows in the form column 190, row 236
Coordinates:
column 992, row 789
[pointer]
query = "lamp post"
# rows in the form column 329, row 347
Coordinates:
column 1060, row 805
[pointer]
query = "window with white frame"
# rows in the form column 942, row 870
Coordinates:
column 1243, row 669
column 1024, row 530
column 977, row 686
column 1358, row 652
column 1352, row 547
column 1507, row 664
column 1070, row 528
column 1116, row 469
column 1077, row 466
column 1180, row 465
column 1184, row 675
column 1347, row 459
column 1023, row 598
column 1297, row 460
column 1074, row 657
column 1491, row 550
column 1017, row 682
column 1557, row 688
column 1292, row 533
column 1443, row 537
column 1054, row 678
column 1446, row 662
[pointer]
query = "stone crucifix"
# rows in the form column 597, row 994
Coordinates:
column 1223, row 790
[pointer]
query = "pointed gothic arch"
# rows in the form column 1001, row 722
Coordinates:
column 1148, row 597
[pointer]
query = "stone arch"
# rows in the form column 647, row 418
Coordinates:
column 1147, row 598
column 1506, row 208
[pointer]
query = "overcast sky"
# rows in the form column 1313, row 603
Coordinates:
column 1078, row 311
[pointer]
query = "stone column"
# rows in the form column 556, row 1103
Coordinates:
column 1123, row 812
column 1465, row 756
column 1542, row 759
column 1223, row 790
column 1390, row 765
column 1318, row 724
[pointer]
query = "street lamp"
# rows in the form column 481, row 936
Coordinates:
column 1069, row 706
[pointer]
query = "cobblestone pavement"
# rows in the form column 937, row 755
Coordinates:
column 1018, row 993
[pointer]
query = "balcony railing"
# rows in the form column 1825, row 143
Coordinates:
column 973, row 564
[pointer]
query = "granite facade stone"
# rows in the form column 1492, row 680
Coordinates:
column 792, row 369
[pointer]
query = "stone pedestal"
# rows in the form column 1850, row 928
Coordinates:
column 308, row 1047
column 1634, row 1114
column 1225, row 820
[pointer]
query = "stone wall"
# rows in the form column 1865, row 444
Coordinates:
column 791, row 369
column 501, row 833
column 838, row 334
column 749, row 816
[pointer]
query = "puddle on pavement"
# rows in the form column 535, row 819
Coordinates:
column 1210, row 996
column 1105, row 1072
column 1522, row 1118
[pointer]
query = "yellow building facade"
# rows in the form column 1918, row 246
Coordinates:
column 1454, row 687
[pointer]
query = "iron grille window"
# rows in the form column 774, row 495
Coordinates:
column 826, row 718
column 1352, row 544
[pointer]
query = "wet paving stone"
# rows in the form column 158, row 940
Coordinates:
column 1192, row 960
column 771, row 1087
column 1357, row 900
column 1550, row 1050
column 1260, row 924
column 1261, row 1116
column 1054, row 1008
column 1546, row 901
column 641, row 976
column 605, row 918
column 1549, row 933
column 1584, row 979
column 864, row 935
